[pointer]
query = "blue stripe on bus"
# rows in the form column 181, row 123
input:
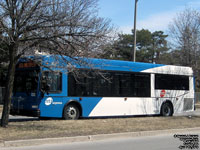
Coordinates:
column 89, row 103
column 52, row 110
column 102, row 64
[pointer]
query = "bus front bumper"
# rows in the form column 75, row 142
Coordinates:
column 23, row 112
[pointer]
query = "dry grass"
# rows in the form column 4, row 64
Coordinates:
column 197, row 105
column 61, row 128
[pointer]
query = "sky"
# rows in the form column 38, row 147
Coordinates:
column 153, row 15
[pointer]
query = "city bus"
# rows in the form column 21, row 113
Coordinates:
column 70, row 88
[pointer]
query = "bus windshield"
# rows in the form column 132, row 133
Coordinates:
column 26, row 81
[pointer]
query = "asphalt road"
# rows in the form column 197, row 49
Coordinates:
column 163, row 142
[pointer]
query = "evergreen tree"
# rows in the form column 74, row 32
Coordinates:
column 150, row 47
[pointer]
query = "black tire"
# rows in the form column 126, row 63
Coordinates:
column 71, row 112
column 166, row 110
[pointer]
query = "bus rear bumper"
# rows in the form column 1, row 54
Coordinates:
column 23, row 112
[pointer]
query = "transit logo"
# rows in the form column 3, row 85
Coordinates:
column 162, row 93
column 49, row 101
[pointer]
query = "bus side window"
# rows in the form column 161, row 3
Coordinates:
column 52, row 80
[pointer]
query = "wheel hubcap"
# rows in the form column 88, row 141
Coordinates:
column 167, row 111
column 71, row 112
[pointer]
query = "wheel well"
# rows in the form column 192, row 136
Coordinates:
column 168, row 102
column 76, row 104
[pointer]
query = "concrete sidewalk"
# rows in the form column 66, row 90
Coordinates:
column 33, row 142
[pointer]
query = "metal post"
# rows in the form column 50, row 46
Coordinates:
column 134, row 47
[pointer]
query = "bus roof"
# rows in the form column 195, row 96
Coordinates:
column 115, row 65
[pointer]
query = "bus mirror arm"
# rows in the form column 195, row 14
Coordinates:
column 45, row 87
column 44, row 90
column 42, row 93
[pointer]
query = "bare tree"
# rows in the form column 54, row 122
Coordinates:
column 185, row 31
column 64, row 27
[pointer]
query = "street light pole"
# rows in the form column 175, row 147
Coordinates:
column 134, row 46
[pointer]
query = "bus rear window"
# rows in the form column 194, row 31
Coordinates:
column 171, row 82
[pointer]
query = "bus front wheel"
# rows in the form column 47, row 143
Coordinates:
column 71, row 112
column 166, row 110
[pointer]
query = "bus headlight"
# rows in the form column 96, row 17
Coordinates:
column 35, row 106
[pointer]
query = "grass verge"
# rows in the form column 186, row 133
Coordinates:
column 197, row 106
column 20, row 130
column 62, row 128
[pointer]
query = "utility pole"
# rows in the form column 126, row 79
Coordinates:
column 134, row 47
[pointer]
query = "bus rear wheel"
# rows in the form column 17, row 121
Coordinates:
column 71, row 112
column 166, row 110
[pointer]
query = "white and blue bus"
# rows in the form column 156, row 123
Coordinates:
column 100, row 88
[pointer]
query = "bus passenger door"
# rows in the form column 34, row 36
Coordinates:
column 155, row 96
column 53, row 89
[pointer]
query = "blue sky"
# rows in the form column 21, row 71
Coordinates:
column 152, row 14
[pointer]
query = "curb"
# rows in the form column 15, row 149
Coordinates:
column 34, row 142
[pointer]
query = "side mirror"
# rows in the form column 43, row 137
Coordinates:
column 45, row 87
